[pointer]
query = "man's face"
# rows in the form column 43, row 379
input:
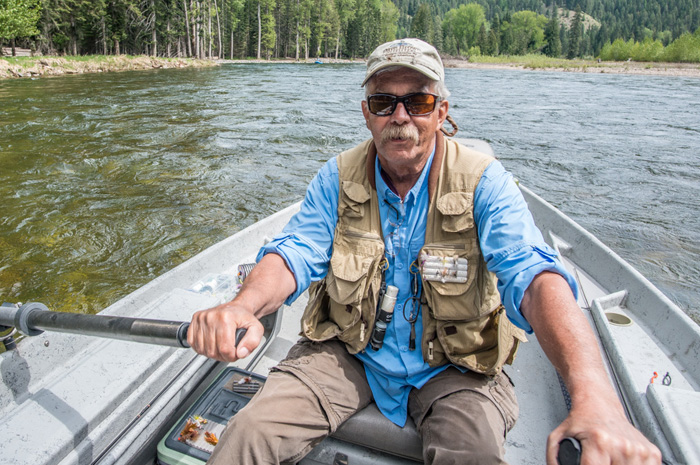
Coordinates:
column 403, row 140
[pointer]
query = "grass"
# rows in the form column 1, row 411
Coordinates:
column 52, row 65
column 534, row 61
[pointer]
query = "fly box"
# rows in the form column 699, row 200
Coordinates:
column 193, row 438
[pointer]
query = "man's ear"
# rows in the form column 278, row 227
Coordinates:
column 443, row 107
column 365, row 113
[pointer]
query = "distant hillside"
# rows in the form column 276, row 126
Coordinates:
column 566, row 17
column 625, row 19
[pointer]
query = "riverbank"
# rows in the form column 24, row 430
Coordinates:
column 25, row 66
column 534, row 62
column 31, row 67
column 579, row 66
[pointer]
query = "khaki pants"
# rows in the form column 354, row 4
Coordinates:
column 462, row 417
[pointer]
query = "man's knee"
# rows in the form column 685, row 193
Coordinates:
column 464, row 417
column 463, row 428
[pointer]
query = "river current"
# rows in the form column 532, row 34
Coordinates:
column 109, row 180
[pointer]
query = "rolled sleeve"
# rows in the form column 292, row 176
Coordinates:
column 511, row 243
column 306, row 241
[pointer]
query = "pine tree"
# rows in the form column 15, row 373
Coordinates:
column 422, row 24
column 575, row 34
column 552, row 46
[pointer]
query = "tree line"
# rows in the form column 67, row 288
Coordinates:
column 302, row 29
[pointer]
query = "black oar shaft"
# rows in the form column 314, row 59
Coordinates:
column 33, row 318
column 168, row 333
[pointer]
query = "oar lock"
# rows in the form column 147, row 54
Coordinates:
column 19, row 314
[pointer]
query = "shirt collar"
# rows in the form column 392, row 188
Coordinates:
column 385, row 192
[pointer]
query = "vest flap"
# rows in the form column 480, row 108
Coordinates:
column 355, row 191
column 457, row 211
column 455, row 203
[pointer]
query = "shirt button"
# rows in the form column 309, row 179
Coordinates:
column 399, row 266
column 403, row 348
column 398, row 306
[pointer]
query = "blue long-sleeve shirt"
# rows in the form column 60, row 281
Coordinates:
column 510, row 242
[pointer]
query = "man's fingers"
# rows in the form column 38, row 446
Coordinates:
column 212, row 333
column 251, row 339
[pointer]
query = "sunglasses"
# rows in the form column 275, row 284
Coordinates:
column 417, row 104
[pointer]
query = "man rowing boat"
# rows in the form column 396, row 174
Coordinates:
column 443, row 231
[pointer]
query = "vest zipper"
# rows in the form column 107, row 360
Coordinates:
column 445, row 246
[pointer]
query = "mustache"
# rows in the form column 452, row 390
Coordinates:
column 403, row 132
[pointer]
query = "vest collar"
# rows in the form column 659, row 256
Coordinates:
column 434, row 167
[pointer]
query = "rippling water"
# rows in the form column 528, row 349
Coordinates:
column 110, row 180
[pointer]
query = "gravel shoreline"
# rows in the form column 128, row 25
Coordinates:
column 58, row 66
column 573, row 66
column 625, row 67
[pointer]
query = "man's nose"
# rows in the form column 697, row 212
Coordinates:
column 400, row 113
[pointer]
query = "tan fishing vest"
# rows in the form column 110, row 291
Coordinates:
column 464, row 323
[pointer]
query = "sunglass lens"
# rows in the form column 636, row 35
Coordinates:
column 420, row 104
column 381, row 104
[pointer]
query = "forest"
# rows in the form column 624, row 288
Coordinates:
column 303, row 29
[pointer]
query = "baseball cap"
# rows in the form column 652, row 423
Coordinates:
column 412, row 53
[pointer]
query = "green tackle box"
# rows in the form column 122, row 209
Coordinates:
column 187, row 444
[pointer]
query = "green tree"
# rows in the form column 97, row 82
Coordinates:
column 346, row 12
column 389, row 21
column 437, row 32
column 686, row 48
column 552, row 45
column 575, row 34
column 524, row 32
column 422, row 24
column 18, row 18
column 482, row 41
column 463, row 25
column 267, row 27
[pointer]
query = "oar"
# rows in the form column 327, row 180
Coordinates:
column 569, row 452
column 34, row 318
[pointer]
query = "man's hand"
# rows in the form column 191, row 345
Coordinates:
column 597, row 418
column 212, row 332
column 606, row 438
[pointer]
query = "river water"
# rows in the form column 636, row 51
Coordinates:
column 109, row 180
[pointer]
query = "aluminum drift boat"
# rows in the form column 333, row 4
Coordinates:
column 76, row 399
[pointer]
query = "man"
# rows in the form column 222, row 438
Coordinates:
column 449, row 229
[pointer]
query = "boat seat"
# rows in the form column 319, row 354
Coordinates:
column 369, row 428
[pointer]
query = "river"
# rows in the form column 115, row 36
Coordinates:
column 109, row 180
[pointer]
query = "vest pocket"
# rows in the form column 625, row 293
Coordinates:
column 454, row 300
column 482, row 345
column 346, row 286
column 457, row 211
column 353, row 282
column 352, row 200
column 461, row 338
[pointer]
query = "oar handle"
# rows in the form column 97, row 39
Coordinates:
column 182, row 335
column 569, row 452
column 34, row 318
